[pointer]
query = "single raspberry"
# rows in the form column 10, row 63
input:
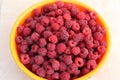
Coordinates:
column 77, row 72
column 51, row 54
column 60, row 4
column 49, row 70
column 33, row 24
column 51, row 47
column 63, row 66
column 35, row 36
column 39, row 28
column 96, row 43
column 58, row 12
column 71, row 43
column 26, row 31
column 67, row 17
column 89, row 45
column 93, row 56
column 42, row 42
column 75, row 50
column 24, row 42
column 91, row 64
column 84, row 26
column 39, row 59
column 44, row 20
column 98, row 36
column 78, row 37
column 53, row 39
column 46, row 34
column 101, row 49
column 71, row 33
column 48, row 77
column 37, row 12
column 74, row 10
column 40, row 72
column 68, row 59
column 32, row 61
column 53, row 7
column 103, row 43
column 81, row 15
column 64, row 35
column 60, row 48
column 79, row 62
column 34, row 48
column 86, row 31
column 72, row 68
column 87, row 17
column 45, row 63
column 81, row 44
column 42, row 51
column 85, row 70
column 35, row 67
column 68, row 24
column 29, row 40
column 88, row 39
column 55, row 65
column 20, row 29
column 24, row 48
column 19, row 39
column 51, row 14
column 93, row 15
column 92, row 22
column 52, row 19
column 64, row 76
column 67, row 50
column 82, row 22
column 83, row 53
column 25, row 59
column 75, row 27
column 65, row 11
column 29, row 19
column 55, row 76
column 68, row 6
column 60, row 22
column 55, row 26
column 93, row 29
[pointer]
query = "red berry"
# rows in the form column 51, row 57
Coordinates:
column 79, row 62
column 92, row 22
column 86, row 31
column 60, row 22
column 75, row 50
column 60, row 4
column 93, row 56
column 64, row 35
column 81, row 15
column 71, row 33
column 72, row 68
column 55, row 26
column 71, row 43
column 39, row 28
column 35, row 67
column 60, row 48
column 44, row 20
column 78, row 37
column 49, row 70
column 42, row 51
column 64, row 76
column 83, row 53
column 93, row 15
column 81, row 44
column 101, row 49
column 24, row 48
column 39, row 59
column 85, row 70
column 34, row 48
column 68, row 24
column 33, row 24
column 67, row 17
column 26, row 31
column 42, row 42
column 35, row 36
column 51, row 54
column 19, row 39
column 51, row 47
column 40, row 72
column 20, row 29
column 53, row 39
column 55, row 76
column 67, row 50
column 91, row 64
column 97, row 36
column 68, row 60
column 29, row 40
column 63, row 66
column 75, row 26
column 46, row 34
column 37, row 12
column 58, row 12
column 55, row 65
column 25, row 59
column 82, row 22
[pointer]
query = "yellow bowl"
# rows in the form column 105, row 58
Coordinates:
column 28, row 13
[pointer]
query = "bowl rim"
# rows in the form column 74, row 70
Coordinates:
column 32, row 75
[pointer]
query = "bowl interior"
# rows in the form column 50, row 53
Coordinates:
column 28, row 13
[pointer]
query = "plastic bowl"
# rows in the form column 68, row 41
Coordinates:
column 28, row 13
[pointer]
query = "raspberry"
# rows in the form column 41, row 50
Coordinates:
column 37, row 12
column 71, row 33
column 85, row 70
column 60, row 4
column 20, row 29
column 29, row 40
column 55, row 76
column 53, row 39
column 81, row 15
column 78, row 37
column 91, row 64
column 33, row 24
column 46, row 34
column 51, row 47
column 55, row 26
column 90, row 45
column 45, row 63
column 93, row 56
column 64, row 35
column 26, row 31
column 68, row 60
column 75, row 27
column 35, row 67
column 81, row 44
column 75, row 50
column 82, row 22
column 83, row 53
column 25, row 59
column 71, row 43
column 96, row 43
column 40, row 72
column 51, row 14
column 93, row 28
column 29, row 19
column 24, row 42
column 77, row 72
column 88, row 39
column 44, row 20
column 72, row 68
column 65, row 11
column 52, row 20
column 55, row 65
column 63, row 67
column 19, row 39
column 86, row 31
column 68, row 23
column 61, row 48
column 101, row 49
column 84, row 26
column 35, row 36
column 39, row 59
column 79, row 62
column 39, row 28
column 64, row 76
column 23, row 48
column 68, row 6
column 49, row 69
column 60, row 22
column 87, row 17
column 42, row 42
column 74, row 11
column 34, row 48
column 58, row 12
column 42, row 51
column 32, row 61
column 67, row 50
column 67, row 17
column 97, row 36
column 53, row 7
column 92, row 22
column 93, row 15
column 51, row 54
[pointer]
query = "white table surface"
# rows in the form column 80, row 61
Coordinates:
column 11, row 9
